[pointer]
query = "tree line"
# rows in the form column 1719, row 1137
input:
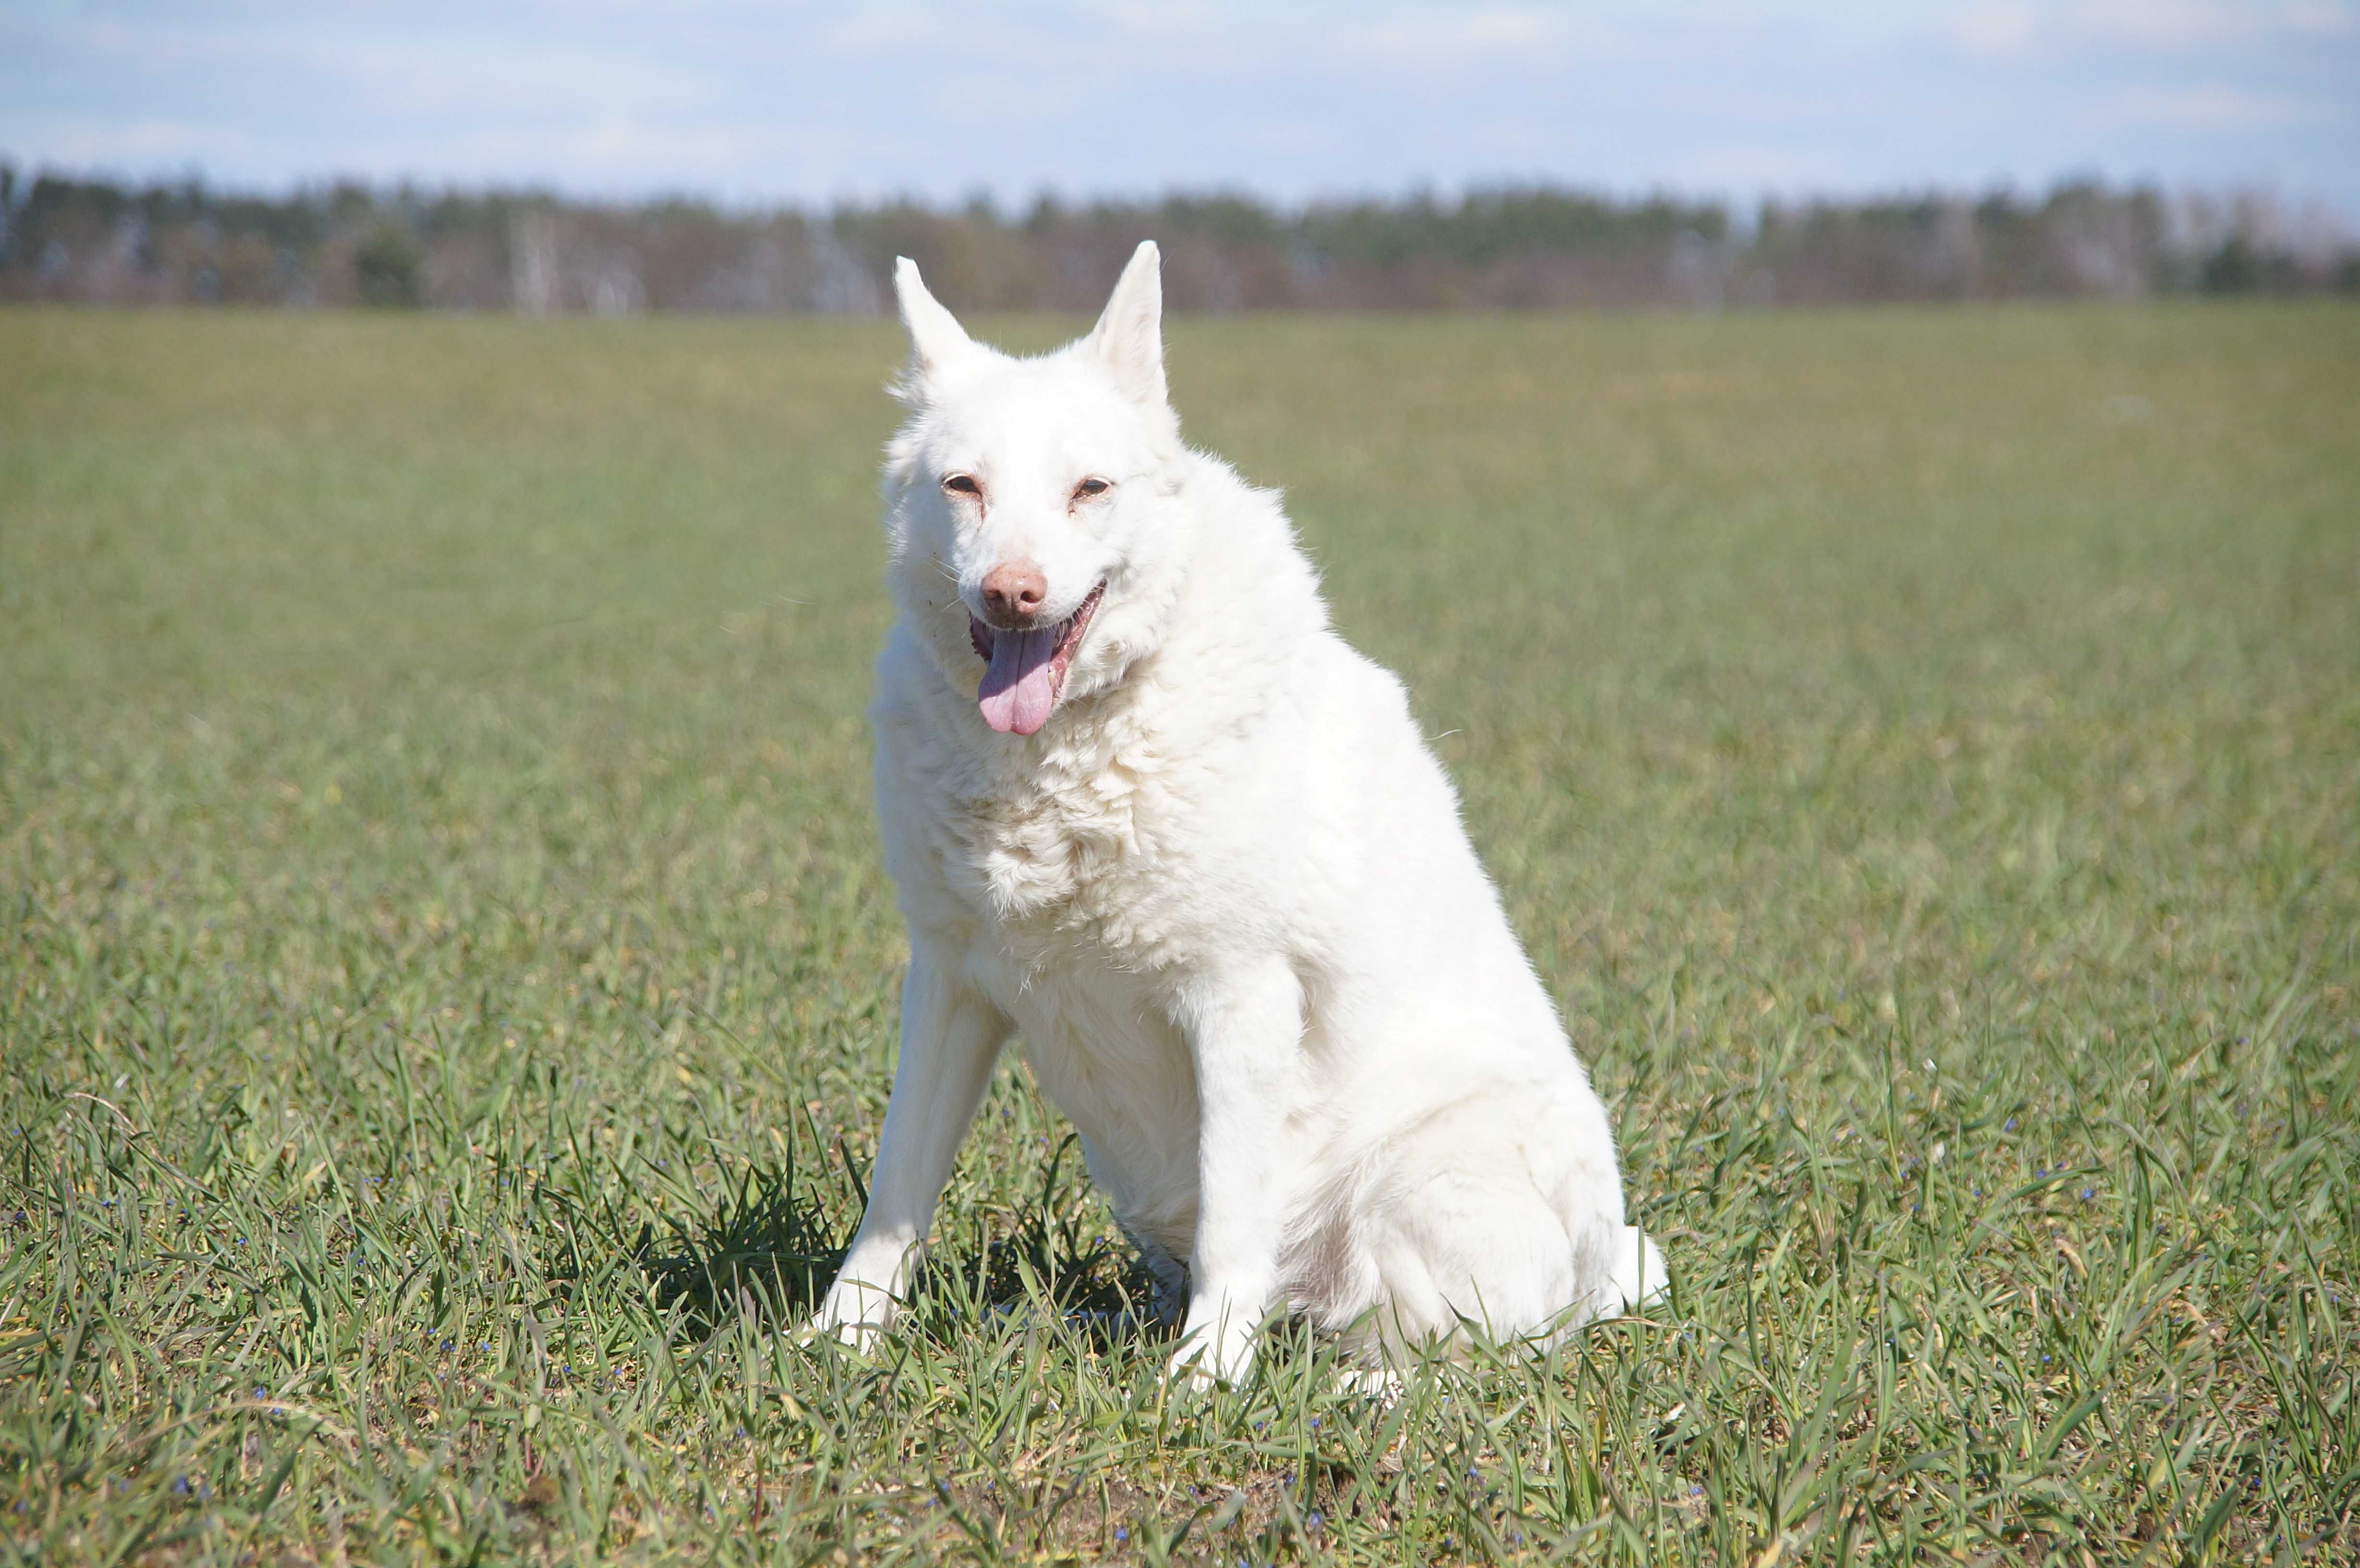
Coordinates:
column 1512, row 248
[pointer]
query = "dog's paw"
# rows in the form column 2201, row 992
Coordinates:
column 1189, row 1378
column 1640, row 1277
column 854, row 1316
column 1381, row 1385
column 1188, row 1371
column 1196, row 1367
column 861, row 1338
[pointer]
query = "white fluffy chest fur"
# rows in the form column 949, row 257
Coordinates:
column 1080, row 887
column 1050, row 859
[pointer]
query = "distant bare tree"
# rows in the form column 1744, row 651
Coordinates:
column 1510, row 248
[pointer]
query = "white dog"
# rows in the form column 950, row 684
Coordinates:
column 1148, row 811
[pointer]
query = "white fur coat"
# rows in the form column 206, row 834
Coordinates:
column 1221, row 892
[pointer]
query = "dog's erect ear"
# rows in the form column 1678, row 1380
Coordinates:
column 935, row 337
column 1129, row 334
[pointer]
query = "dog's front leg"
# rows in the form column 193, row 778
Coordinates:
column 950, row 1037
column 1245, row 1031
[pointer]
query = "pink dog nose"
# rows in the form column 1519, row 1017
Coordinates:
column 1014, row 591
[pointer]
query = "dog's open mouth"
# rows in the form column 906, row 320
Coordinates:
column 1023, row 672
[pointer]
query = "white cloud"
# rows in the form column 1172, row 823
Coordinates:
column 1423, row 38
column 808, row 100
column 1989, row 29
column 2322, row 19
column 2214, row 107
column 2000, row 27
column 2165, row 24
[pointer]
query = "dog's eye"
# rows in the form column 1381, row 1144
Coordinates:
column 1092, row 487
column 962, row 484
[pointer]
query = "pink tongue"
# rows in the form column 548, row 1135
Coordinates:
column 1020, row 688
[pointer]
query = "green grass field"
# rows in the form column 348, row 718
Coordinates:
column 448, row 982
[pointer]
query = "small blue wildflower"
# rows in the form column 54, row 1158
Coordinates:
column 2088, row 1194
column 180, row 1486
column 1121, row 1532
column 1312, row 1519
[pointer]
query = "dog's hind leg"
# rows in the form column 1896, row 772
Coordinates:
column 1491, row 1216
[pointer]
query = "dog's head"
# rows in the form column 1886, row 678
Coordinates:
column 1031, row 502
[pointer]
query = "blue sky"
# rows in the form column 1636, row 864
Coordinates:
column 809, row 101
